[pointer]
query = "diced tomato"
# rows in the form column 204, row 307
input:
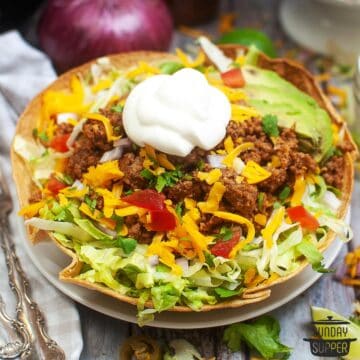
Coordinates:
column 300, row 215
column 162, row 220
column 55, row 185
column 147, row 199
column 223, row 248
column 233, row 78
column 58, row 143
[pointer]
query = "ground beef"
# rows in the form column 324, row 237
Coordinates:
column 132, row 165
column 251, row 130
column 209, row 224
column 185, row 188
column 333, row 171
column 191, row 161
column 95, row 131
column 301, row 164
column 63, row 129
column 84, row 156
column 115, row 120
column 36, row 195
column 137, row 231
column 240, row 198
column 275, row 182
column 99, row 200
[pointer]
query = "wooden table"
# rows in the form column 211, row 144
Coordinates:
column 104, row 335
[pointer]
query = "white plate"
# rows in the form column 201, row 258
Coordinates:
column 50, row 261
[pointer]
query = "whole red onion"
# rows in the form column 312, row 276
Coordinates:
column 72, row 32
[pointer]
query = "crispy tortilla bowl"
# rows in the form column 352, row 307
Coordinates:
column 287, row 69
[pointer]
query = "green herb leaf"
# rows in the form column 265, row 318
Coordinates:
column 209, row 259
column 119, row 222
column 284, row 194
column 66, row 179
column 89, row 202
column 43, row 136
column 226, row 293
column 269, row 125
column 127, row 244
column 260, row 200
column 117, row 108
column 276, row 205
column 225, row 233
column 167, row 178
column 200, row 165
column 179, row 209
column 170, row 67
column 262, row 334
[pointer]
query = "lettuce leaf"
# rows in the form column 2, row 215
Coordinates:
column 261, row 334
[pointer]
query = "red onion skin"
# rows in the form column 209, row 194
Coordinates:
column 73, row 32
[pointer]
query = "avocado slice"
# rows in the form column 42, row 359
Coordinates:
column 271, row 94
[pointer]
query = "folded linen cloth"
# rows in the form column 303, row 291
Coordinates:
column 25, row 71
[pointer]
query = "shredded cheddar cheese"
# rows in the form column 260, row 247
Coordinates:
column 272, row 225
column 210, row 177
column 97, row 215
column 229, row 144
column 106, row 122
column 239, row 220
column 215, row 195
column 260, row 219
column 229, row 159
column 32, row 209
column 141, row 69
column 71, row 192
column 187, row 61
column 254, row 173
column 299, row 190
column 130, row 210
column 101, row 85
column 240, row 113
column 102, row 174
column 164, row 162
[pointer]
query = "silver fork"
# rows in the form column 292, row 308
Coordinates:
column 32, row 339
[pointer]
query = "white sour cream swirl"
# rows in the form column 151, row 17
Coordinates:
column 175, row 113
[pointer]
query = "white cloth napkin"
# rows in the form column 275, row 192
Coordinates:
column 24, row 71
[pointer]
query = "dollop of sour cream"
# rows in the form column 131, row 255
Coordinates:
column 175, row 113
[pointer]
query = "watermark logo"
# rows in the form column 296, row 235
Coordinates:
column 331, row 339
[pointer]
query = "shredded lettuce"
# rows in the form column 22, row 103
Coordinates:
column 262, row 335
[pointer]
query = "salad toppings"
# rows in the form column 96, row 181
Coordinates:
column 164, row 198
column 165, row 112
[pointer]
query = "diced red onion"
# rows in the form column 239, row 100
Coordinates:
column 215, row 161
column 78, row 185
column 153, row 260
column 122, row 142
column 107, row 230
column 183, row 263
column 75, row 133
column 111, row 155
column 64, row 118
column 238, row 165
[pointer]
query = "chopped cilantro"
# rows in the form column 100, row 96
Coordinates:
column 119, row 222
column 117, row 108
column 90, row 202
column 225, row 233
column 260, row 200
column 276, row 205
column 284, row 194
column 200, row 165
column 209, row 259
column 127, row 244
column 179, row 209
column 226, row 293
column 167, row 178
column 66, row 179
column 40, row 135
column 128, row 192
column 64, row 215
column 269, row 125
